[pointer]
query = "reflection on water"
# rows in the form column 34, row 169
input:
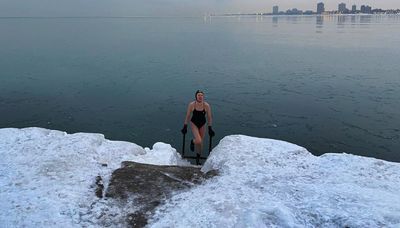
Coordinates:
column 365, row 19
column 275, row 21
column 341, row 19
column 319, row 23
column 293, row 19
column 353, row 19
column 323, row 22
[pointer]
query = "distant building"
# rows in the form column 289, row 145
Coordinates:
column 308, row 12
column 353, row 8
column 342, row 8
column 368, row 9
column 275, row 10
column 294, row 11
column 320, row 8
column 362, row 9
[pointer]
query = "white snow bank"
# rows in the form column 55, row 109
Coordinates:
column 46, row 178
column 270, row 183
column 46, row 175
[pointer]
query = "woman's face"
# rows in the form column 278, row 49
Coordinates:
column 200, row 97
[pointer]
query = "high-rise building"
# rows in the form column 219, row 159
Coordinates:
column 368, row 9
column 320, row 8
column 275, row 10
column 342, row 8
column 353, row 8
column 362, row 9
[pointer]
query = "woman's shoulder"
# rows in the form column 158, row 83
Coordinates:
column 191, row 104
column 207, row 105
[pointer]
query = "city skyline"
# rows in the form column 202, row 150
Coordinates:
column 333, row 5
column 342, row 8
column 168, row 7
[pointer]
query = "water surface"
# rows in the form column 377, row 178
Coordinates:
column 328, row 83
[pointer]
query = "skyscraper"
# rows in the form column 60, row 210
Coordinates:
column 368, row 9
column 320, row 8
column 342, row 8
column 275, row 10
column 362, row 9
column 353, row 8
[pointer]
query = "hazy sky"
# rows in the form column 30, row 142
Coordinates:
column 166, row 7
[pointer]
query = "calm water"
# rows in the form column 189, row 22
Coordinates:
column 330, row 84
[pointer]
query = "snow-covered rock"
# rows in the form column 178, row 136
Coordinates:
column 47, row 180
column 270, row 183
column 47, row 177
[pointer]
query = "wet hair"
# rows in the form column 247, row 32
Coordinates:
column 197, row 92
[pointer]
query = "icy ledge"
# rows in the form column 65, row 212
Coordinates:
column 46, row 180
column 47, row 177
column 270, row 183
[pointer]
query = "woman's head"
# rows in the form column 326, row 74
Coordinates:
column 199, row 96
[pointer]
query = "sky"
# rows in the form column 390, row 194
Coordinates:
column 15, row 8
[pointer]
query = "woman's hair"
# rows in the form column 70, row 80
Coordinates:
column 197, row 92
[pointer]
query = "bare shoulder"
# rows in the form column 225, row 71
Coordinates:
column 207, row 105
column 191, row 105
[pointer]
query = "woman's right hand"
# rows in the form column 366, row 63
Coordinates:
column 184, row 129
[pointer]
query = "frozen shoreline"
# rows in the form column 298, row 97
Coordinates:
column 262, row 182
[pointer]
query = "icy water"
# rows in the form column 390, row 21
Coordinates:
column 330, row 84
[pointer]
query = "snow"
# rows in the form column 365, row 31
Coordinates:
column 47, row 178
column 270, row 183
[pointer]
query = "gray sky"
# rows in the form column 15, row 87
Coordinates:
column 166, row 7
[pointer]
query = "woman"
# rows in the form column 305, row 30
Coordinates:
column 199, row 109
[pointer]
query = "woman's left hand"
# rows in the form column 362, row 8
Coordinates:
column 210, row 131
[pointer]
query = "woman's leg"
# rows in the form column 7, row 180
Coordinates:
column 202, row 131
column 198, row 139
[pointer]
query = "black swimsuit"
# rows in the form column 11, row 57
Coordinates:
column 198, row 118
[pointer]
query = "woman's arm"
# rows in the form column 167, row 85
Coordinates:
column 189, row 110
column 209, row 115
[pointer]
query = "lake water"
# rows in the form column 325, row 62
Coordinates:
column 327, row 83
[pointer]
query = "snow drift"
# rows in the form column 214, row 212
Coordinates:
column 46, row 178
